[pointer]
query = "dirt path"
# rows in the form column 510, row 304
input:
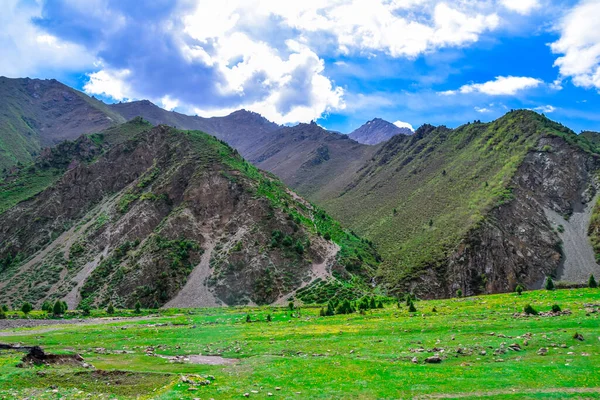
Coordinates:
column 7, row 326
column 195, row 293
column 319, row 270
column 74, row 297
column 579, row 259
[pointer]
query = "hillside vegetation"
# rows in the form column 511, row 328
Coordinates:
column 163, row 215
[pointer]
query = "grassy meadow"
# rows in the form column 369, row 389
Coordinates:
column 302, row 355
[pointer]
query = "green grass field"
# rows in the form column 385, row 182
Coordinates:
column 347, row 356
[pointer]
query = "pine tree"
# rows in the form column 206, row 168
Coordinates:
column 459, row 293
column 519, row 289
column 592, row 282
column 110, row 309
column 248, row 319
column 380, row 304
column 372, row 303
column 411, row 307
column 549, row 283
column 291, row 305
column 2, row 314
column 268, row 317
column 57, row 309
column 138, row 307
column 26, row 308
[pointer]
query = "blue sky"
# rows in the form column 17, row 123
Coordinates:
column 340, row 62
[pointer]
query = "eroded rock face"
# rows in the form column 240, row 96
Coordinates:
column 517, row 243
column 154, row 215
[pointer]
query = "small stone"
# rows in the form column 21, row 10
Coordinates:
column 414, row 360
column 542, row 351
column 269, row 394
column 578, row 336
column 433, row 360
column 277, row 388
column 246, row 394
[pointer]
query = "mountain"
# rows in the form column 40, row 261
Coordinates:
column 166, row 217
column 241, row 129
column 311, row 159
column 480, row 208
column 377, row 131
column 36, row 113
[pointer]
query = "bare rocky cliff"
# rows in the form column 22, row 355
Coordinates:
column 541, row 232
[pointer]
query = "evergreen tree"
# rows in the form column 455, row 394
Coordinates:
column 530, row 310
column 2, row 314
column 138, row 307
column 549, row 283
column 519, row 289
column 330, row 309
column 291, row 305
column 4, row 308
column 268, row 317
column 322, row 312
column 26, row 308
column 555, row 308
column 592, row 282
column 57, row 309
column 110, row 309
column 372, row 303
column 459, row 293
column 411, row 307
column 47, row 306
column 248, row 319
column 380, row 304
column 85, row 310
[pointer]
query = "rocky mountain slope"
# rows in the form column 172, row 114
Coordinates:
column 480, row 208
column 37, row 113
column 166, row 216
column 377, row 131
column 243, row 130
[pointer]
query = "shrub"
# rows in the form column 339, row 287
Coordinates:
column 549, row 283
column 26, row 308
column 519, row 289
column 248, row 319
column 555, row 308
column 529, row 310
column 372, row 303
column 380, row 304
column 110, row 309
column 138, row 307
column 330, row 309
column 322, row 312
column 47, row 306
column 411, row 307
column 85, row 310
column 5, row 308
column 459, row 293
column 327, row 236
column 2, row 314
column 299, row 248
column 57, row 308
column 291, row 305
column 592, row 282
column 268, row 317
column 287, row 241
column 434, row 309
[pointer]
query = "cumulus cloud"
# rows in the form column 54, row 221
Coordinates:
column 579, row 44
column 482, row 109
column 521, row 6
column 402, row 124
column 28, row 50
column 500, row 86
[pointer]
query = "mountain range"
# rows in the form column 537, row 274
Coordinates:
column 480, row 208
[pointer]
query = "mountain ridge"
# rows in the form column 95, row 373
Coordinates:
column 377, row 131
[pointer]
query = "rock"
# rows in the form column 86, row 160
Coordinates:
column 433, row 360
column 277, row 388
column 414, row 360
column 514, row 346
column 269, row 394
column 483, row 353
column 542, row 351
column 246, row 394
column 578, row 336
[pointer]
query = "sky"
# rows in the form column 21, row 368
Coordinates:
column 338, row 62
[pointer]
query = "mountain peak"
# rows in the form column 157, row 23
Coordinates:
column 377, row 131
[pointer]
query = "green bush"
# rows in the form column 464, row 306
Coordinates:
column 529, row 310
column 269, row 318
column 58, row 308
column 138, row 307
column 459, row 293
column 110, row 309
column 248, row 319
column 85, row 310
column 2, row 314
column 549, row 284
column 592, row 282
column 4, row 308
column 519, row 289
column 26, row 308
column 555, row 308
column 47, row 306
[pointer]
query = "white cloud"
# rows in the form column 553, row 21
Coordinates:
column 110, row 83
column 402, row 124
column 29, row 51
column 501, row 86
column 545, row 109
column 579, row 44
column 521, row 6
column 482, row 109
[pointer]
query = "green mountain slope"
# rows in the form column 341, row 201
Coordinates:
column 168, row 217
column 420, row 196
column 36, row 113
